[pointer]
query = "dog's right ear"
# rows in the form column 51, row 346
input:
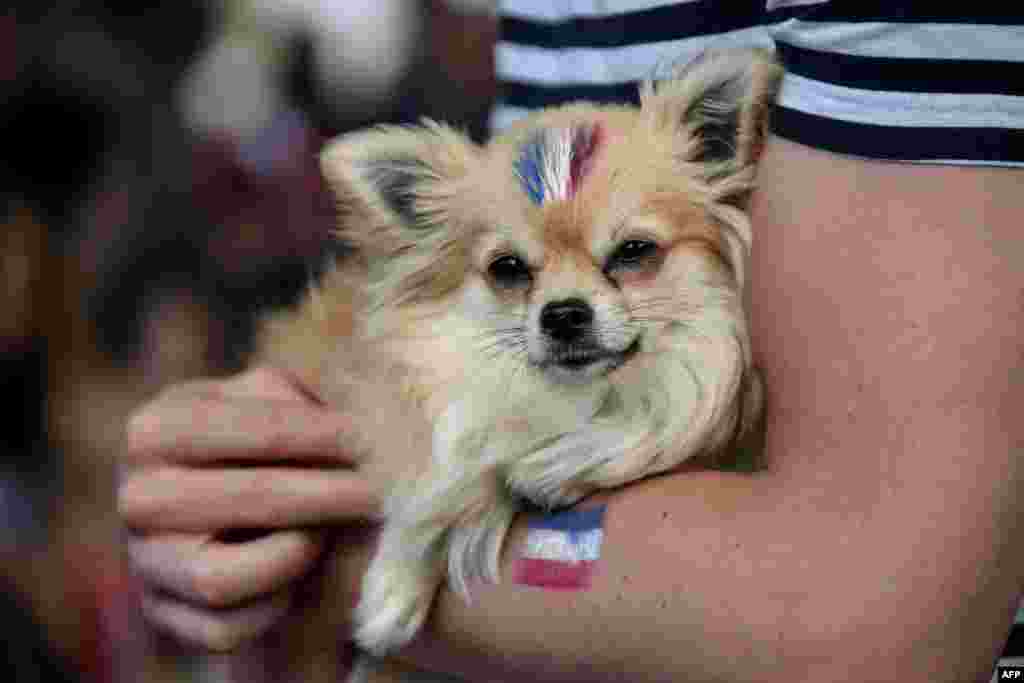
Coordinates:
column 396, row 182
column 714, row 110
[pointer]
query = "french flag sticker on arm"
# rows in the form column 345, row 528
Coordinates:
column 561, row 549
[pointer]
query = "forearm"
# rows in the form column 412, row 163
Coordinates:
column 715, row 577
column 879, row 543
column 679, row 587
column 726, row 577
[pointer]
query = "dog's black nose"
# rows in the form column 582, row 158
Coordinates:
column 566, row 320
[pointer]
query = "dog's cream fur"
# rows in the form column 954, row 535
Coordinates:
column 443, row 368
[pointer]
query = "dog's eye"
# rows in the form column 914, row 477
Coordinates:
column 509, row 271
column 631, row 253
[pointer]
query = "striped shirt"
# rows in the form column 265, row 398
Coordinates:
column 904, row 81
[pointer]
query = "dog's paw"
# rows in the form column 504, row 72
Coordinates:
column 555, row 476
column 394, row 604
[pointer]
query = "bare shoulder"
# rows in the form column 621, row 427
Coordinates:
column 886, row 293
column 887, row 305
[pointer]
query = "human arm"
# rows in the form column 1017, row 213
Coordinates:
column 878, row 545
column 886, row 310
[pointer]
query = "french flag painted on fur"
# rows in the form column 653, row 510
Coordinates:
column 562, row 549
column 554, row 161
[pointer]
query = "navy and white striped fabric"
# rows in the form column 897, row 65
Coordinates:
column 905, row 81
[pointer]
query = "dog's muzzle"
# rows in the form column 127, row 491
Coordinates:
column 567, row 321
column 572, row 350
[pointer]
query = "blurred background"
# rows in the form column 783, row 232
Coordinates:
column 158, row 189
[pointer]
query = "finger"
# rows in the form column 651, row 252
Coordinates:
column 267, row 382
column 204, row 500
column 216, row 630
column 200, row 569
column 261, row 381
column 198, row 429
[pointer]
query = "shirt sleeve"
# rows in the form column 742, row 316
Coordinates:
column 912, row 81
column 550, row 52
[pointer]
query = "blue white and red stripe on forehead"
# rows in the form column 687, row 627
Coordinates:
column 553, row 162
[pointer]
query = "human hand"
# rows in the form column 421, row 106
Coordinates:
column 223, row 485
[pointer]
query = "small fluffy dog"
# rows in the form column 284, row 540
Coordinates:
column 556, row 312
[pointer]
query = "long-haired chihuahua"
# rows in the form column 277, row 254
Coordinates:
column 557, row 312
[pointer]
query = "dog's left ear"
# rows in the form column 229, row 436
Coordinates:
column 716, row 108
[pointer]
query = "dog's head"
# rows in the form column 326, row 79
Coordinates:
column 581, row 241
